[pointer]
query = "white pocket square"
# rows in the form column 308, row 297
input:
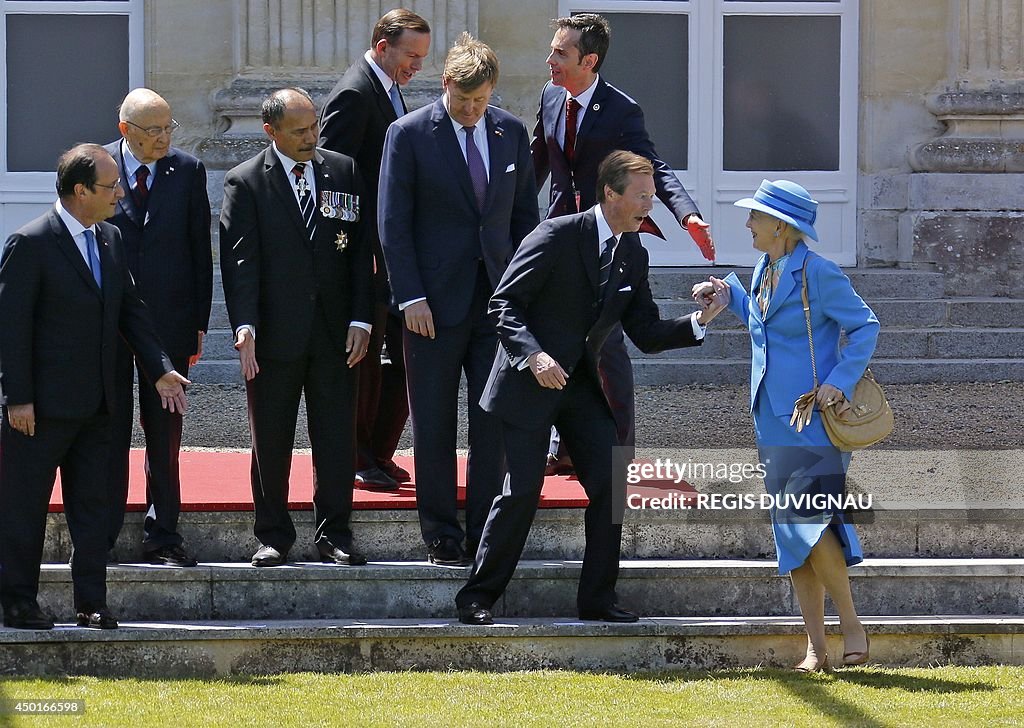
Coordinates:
column 624, row 289
column 511, row 167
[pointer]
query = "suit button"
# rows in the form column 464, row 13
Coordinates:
column 594, row 304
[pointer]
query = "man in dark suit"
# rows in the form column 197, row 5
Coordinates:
column 353, row 122
column 570, row 283
column 457, row 196
column 297, row 273
column 595, row 118
column 67, row 295
column 164, row 219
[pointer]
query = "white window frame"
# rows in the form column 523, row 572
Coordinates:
column 37, row 188
column 714, row 188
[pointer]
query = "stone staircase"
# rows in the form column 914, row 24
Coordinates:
column 926, row 335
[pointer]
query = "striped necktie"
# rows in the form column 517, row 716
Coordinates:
column 605, row 267
column 306, row 206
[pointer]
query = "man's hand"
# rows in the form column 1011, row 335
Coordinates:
column 171, row 389
column 245, row 344
column 22, row 417
column 356, row 342
column 419, row 319
column 194, row 359
column 700, row 231
column 548, row 372
column 711, row 305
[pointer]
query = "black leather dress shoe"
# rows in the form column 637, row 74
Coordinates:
column 475, row 613
column 100, row 619
column 170, row 556
column 375, row 479
column 329, row 553
column 446, row 551
column 611, row 613
column 558, row 466
column 27, row 615
column 269, row 556
column 396, row 471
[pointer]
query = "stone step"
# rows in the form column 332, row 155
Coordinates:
column 893, row 343
column 870, row 283
column 209, row 649
column 916, row 530
column 414, row 590
column 683, row 371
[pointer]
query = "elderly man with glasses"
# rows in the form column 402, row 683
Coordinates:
column 164, row 219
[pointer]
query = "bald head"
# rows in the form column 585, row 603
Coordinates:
column 289, row 118
column 146, row 124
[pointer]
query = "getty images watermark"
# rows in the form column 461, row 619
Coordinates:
column 799, row 484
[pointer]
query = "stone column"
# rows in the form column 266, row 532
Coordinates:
column 964, row 201
column 310, row 43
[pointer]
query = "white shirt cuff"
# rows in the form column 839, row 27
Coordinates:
column 249, row 327
column 363, row 325
column 698, row 330
column 403, row 306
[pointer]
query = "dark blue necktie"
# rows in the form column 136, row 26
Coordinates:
column 605, row 267
column 94, row 257
column 396, row 100
column 477, row 171
column 306, row 206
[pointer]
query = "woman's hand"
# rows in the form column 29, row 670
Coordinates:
column 829, row 395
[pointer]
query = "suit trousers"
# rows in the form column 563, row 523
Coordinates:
column 433, row 369
column 588, row 429
column 273, row 397
column 163, row 444
column 383, row 403
column 28, row 468
column 616, row 371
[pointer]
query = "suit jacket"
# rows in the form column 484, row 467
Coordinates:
column 612, row 121
column 167, row 247
column 59, row 332
column 353, row 122
column 548, row 301
column 273, row 274
column 431, row 229
column 783, row 330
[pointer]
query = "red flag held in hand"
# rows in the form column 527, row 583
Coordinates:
column 700, row 231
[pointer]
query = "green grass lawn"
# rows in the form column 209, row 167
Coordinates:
column 939, row 696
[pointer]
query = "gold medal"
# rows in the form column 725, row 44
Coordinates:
column 341, row 242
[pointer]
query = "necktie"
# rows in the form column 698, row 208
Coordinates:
column 141, row 189
column 572, row 107
column 396, row 100
column 604, row 271
column 94, row 257
column 306, row 206
column 477, row 171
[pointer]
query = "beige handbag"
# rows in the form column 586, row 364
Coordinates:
column 850, row 425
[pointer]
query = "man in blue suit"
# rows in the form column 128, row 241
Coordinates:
column 164, row 219
column 457, row 195
column 581, row 119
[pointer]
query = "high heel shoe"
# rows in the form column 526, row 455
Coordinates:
column 858, row 658
column 823, row 666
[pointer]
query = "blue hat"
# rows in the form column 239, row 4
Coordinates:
column 786, row 201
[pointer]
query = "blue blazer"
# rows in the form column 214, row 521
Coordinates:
column 781, row 362
column 612, row 121
column 431, row 230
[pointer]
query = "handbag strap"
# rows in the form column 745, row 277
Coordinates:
column 807, row 318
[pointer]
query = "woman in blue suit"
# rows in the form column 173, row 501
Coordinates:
column 814, row 545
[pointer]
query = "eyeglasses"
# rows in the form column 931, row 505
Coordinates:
column 154, row 131
column 110, row 187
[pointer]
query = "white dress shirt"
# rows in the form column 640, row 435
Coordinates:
column 77, row 231
column 584, row 102
column 131, row 166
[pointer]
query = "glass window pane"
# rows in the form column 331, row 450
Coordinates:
column 781, row 109
column 55, row 99
column 664, row 96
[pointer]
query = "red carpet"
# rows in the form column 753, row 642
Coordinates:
column 219, row 481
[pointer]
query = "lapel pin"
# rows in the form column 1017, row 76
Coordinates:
column 497, row 132
column 596, row 107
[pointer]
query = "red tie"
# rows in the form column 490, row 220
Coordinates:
column 572, row 106
column 141, row 188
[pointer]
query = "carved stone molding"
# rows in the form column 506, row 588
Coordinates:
column 982, row 103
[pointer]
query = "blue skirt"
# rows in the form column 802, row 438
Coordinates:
column 799, row 466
